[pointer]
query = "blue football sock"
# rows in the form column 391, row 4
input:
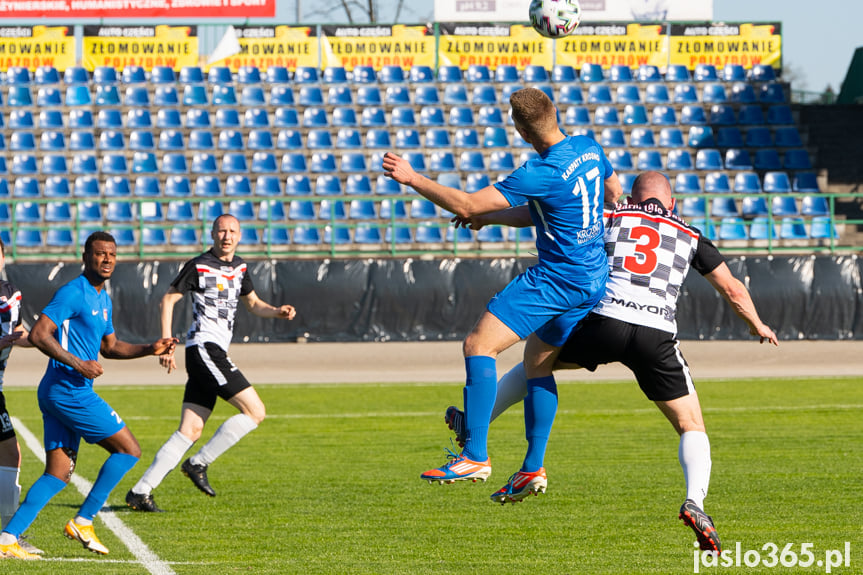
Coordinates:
column 479, row 393
column 540, row 407
column 113, row 470
column 45, row 488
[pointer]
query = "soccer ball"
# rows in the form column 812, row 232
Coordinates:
column 555, row 18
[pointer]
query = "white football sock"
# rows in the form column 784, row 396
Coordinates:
column 228, row 434
column 511, row 389
column 167, row 458
column 694, row 455
column 10, row 493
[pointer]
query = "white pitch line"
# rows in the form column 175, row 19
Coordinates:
column 138, row 548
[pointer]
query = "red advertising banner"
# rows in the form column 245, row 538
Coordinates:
column 241, row 9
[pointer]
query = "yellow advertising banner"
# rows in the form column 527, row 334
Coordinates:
column 269, row 46
column 721, row 43
column 34, row 46
column 377, row 46
column 145, row 46
column 614, row 43
column 493, row 45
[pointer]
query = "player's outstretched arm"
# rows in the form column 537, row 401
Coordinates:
column 113, row 348
column 166, row 307
column 262, row 309
column 517, row 217
column 42, row 337
column 613, row 189
column 736, row 294
column 465, row 205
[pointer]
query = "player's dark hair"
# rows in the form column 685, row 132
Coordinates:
column 98, row 237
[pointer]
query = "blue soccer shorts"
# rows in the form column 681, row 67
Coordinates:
column 70, row 413
column 546, row 301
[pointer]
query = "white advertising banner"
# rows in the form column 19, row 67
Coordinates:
column 592, row 10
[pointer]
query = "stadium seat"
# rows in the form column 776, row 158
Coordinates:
column 779, row 115
column 732, row 228
column 86, row 187
column 693, row 207
column 733, row 73
column 805, row 182
column 334, row 75
column 738, row 159
column 642, row 138
column 397, row 96
column 328, row 185
column 766, row 160
column 28, row 238
column 373, row 117
column 793, row 228
column 252, row 96
column 705, row 73
column 393, row 209
column 693, row 115
column 621, row 160
column 471, row 161
column 677, row 73
column 141, row 141
column 259, row 139
column 687, row 183
column 648, row 73
column 599, row 94
column 784, row 206
column 455, row 95
column 750, row 115
column 475, row 182
column 708, row 159
column 753, row 206
column 591, row 73
column 612, row 138
column 821, row 227
column 787, row 137
column 77, row 75
column 237, row 185
column 332, row 210
column 177, row 187
column 147, row 186
column 431, row 116
column 322, row 162
column 442, row 162
column 762, row 73
column 344, row 117
column 174, row 163
column 348, row 138
column 671, row 138
column 306, row 236
column 184, row 236
column 722, row 115
column 714, row 93
column 114, row 164
column 420, row 74
column 777, row 182
column 298, row 185
column 649, row 160
column 262, row 163
column 339, row 96
column 268, row 186
column 724, row 206
column 197, row 118
column 144, row 163
column 84, row 164
column 577, row 116
column 153, row 237
column 679, row 160
column 387, row 186
column 358, row 184
column 48, row 96
column 772, row 93
column 729, row 137
column 353, row 162
column 707, row 227
column 121, row 212
column 606, row 116
column 377, row 138
column 634, row 115
column 167, row 118
column 191, row 75
column 747, row 183
column 501, row 161
column 796, row 159
column 563, row 73
column 363, row 234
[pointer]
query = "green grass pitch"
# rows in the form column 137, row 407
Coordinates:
column 330, row 484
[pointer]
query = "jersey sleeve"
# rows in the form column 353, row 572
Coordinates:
column 187, row 279
column 64, row 304
column 247, row 287
column 707, row 257
column 518, row 187
column 109, row 325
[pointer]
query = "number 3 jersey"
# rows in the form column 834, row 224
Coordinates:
column 10, row 318
column 650, row 250
column 216, row 287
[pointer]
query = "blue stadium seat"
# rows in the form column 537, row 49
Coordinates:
column 705, row 73
column 729, row 137
column 753, row 206
column 599, row 94
column 373, row 117
column 747, row 183
column 271, row 210
column 777, row 182
column 82, row 141
column 234, row 163
column 793, row 228
column 144, row 163
column 56, row 187
column 332, row 210
column 197, row 118
column 471, row 161
column 648, row 73
column 677, row 73
column 784, row 206
column 692, row 207
column 141, row 141
column 762, row 73
column 147, row 186
column 707, row 227
column 724, row 206
column 86, row 187
column 174, row 163
column 766, row 160
column 48, row 96
column 184, row 236
column 663, row 116
column 563, row 73
column 76, row 75
column 362, row 210
column 478, row 73
column 289, row 140
column 442, row 161
column 507, row 73
column 344, row 117
column 420, row 74
column 577, row 116
column 358, row 184
column 322, row 163
column 821, row 227
column 348, row 138
column 742, row 93
column 268, row 186
column 301, row 210
column 455, row 95
column 294, row 163
column 679, row 160
column 431, row 116
column 612, row 138
column 334, row 75
column 353, row 162
column 649, row 160
column 634, row 115
column 328, row 185
column 393, row 209
column 642, row 138
column 191, row 75
column 52, row 141
column 121, row 212
column 606, row 116
column 238, row 185
column 306, row 75
column 687, row 183
column 397, row 96
column 369, row 96
column 402, row 116
column 684, row 94
column 621, row 160
column 733, row 73
column 114, row 164
column 27, row 212
column 84, row 164
column 787, row 137
column 105, row 95
column 714, row 93
column 805, row 182
column 252, row 96
column 708, row 159
column 28, row 238
column 501, row 161
column 738, row 159
column 167, row 118
column 426, row 95
column 310, row 96
column 377, row 138
column 389, row 74
column 750, row 115
column 306, row 236
column 298, row 185
column 693, row 115
column 671, row 138
column 249, row 236
column 591, row 73
column 416, row 160
column 153, row 237
column 260, row 140
column 495, row 137
column 339, row 96
column 387, row 186
column 256, row 118
column 722, row 115
column 48, row 120
column 796, row 159
column 476, row 181
column 772, row 93
column 779, row 115
column 264, row 163
column 701, row 137
column 732, row 228
column 248, row 75
column 177, row 187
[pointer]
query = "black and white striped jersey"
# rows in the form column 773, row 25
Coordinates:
column 650, row 251
column 10, row 318
column 216, row 287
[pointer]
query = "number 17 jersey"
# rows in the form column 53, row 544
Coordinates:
column 650, row 251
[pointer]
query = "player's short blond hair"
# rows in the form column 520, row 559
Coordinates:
column 533, row 112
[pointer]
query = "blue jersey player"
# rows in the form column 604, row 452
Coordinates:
column 565, row 188
column 72, row 330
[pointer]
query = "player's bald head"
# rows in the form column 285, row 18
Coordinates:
column 652, row 185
